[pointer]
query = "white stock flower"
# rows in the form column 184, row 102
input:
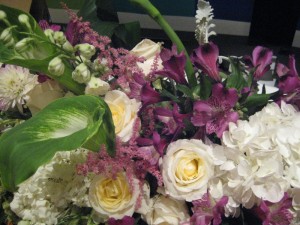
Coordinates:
column 124, row 113
column 113, row 197
column 15, row 83
column 45, row 195
column 43, row 94
column 96, row 87
column 187, row 168
column 166, row 211
column 149, row 51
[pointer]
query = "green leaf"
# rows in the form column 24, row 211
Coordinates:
column 185, row 90
column 64, row 125
column 205, row 87
column 236, row 79
column 256, row 100
column 127, row 35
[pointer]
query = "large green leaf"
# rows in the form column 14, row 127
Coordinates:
column 64, row 125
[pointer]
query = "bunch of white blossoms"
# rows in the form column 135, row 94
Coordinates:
column 45, row 195
column 262, row 156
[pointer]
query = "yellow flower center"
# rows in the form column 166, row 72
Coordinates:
column 112, row 193
column 117, row 112
column 190, row 167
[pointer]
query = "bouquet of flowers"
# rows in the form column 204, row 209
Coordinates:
column 92, row 134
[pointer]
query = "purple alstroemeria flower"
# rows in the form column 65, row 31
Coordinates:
column 261, row 59
column 149, row 95
column 127, row 220
column 289, row 79
column 173, row 64
column 275, row 213
column 172, row 118
column 216, row 113
column 205, row 58
column 206, row 210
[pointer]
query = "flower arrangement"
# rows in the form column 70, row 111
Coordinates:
column 92, row 134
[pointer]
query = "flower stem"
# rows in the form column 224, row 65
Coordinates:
column 158, row 18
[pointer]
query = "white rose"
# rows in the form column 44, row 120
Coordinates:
column 148, row 50
column 186, row 168
column 166, row 211
column 113, row 197
column 124, row 112
column 43, row 94
column 96, row 87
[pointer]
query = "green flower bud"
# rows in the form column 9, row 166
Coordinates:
column 100, row 66
column 49, row 34
column 24, row 19
column 56, row 66
column 81, row 74
column 7, row 38
column 23, row 222
column 59, row 37
column 2, row 15
column 68, row 47
column 86, row 50
column 23, row 45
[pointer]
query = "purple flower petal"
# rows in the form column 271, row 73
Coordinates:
column 281, row 70
column 262, row 59
column 205, row 58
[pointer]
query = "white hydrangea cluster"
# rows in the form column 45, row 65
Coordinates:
column 46, row 194
column 261, row 158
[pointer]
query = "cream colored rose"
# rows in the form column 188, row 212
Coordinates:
column 148, row 50
column 113, row 197
column 166, row 211
column 124, row 112
column 43, row 94
column 187, row 167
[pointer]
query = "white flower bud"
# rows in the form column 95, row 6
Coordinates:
column 59, row 37
column 24, row 19
column 68, row 47
column 86, row 50
column 7, row 38
column 23, row 45
column 2, row 15
column 81, row 74
column 100, row 66
column 96, row 87
column 49, row 34
column 56, row 66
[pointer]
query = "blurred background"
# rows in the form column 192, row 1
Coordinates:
column 240, row 24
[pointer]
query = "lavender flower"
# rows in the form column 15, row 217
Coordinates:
column 216, row 113
column 205, row 58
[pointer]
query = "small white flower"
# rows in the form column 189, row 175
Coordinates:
column 81, row 74
column 56, row 66
column 15, row 83
column 86, row 50
column 166, row 211
column 96, row 87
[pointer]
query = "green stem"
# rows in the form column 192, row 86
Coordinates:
column 158, row 18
